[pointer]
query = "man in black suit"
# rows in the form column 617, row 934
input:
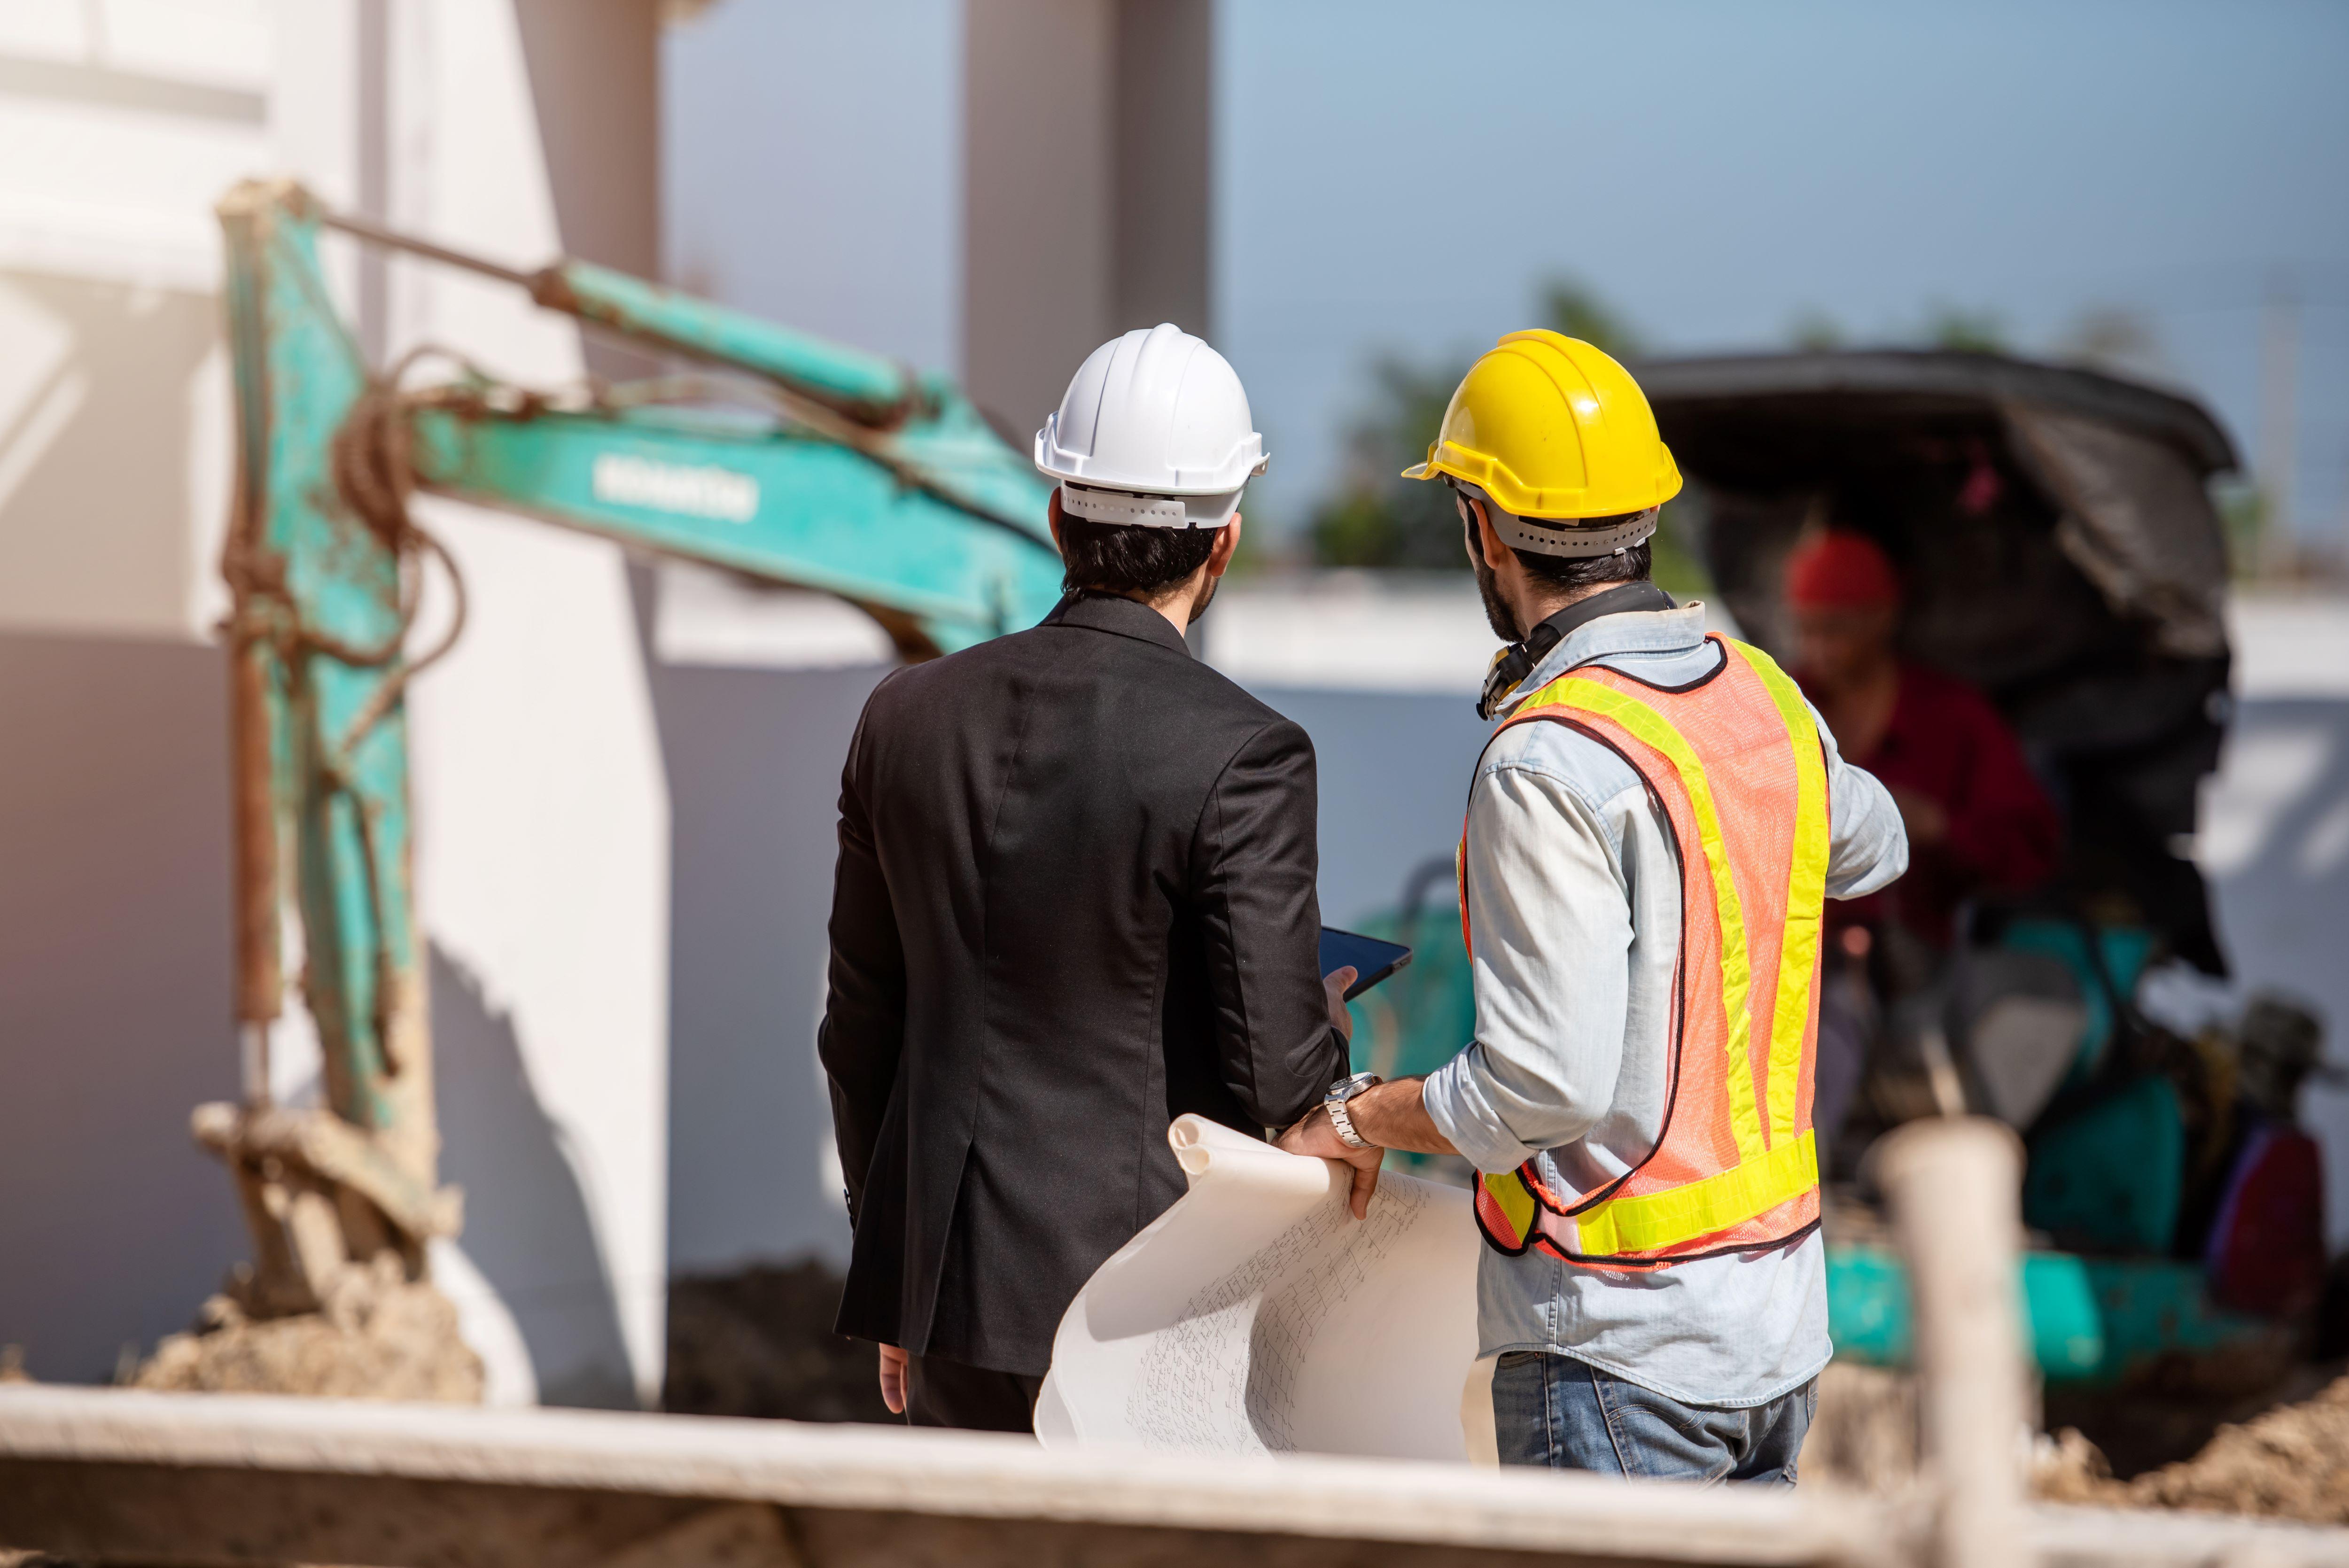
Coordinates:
column 1076, row 900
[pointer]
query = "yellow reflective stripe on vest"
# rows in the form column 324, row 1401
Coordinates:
column 1654, row 730
column 1677, row 1214
column 1806, row 890
column 1517, row 1207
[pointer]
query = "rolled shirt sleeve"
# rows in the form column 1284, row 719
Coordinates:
column 1549, row 908
column 1868, row 844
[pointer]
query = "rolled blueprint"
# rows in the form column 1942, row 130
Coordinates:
column 1258, row 1316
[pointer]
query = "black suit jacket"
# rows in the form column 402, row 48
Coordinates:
column 1076, row 900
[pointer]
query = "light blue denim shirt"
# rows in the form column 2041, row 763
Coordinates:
column 1574, row 895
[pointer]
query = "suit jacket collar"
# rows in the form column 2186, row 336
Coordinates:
column 1098, row 611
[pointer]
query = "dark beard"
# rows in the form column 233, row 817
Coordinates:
column 1497, row 613
column 1206, row 599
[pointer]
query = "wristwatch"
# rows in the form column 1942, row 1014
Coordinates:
column 1334, row 1102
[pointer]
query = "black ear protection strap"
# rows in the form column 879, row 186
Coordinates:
column 1510, row 667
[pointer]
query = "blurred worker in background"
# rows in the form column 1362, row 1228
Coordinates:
column 1977, row 821
column 1650, row 833
column 1075, row 900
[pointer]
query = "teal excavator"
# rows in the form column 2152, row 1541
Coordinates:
column 764, row 451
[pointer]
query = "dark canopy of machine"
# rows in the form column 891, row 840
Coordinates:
column 2058, row 547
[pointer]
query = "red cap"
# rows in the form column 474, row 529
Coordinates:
column 1839, row 570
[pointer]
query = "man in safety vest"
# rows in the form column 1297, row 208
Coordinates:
column 1650, row 831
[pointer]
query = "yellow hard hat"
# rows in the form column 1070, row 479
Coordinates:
column 1548, row 426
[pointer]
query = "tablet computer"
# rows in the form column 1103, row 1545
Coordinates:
column 1372, row 959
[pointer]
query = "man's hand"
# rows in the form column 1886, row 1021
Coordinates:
column 1314, row 1135
column 1333, row 989
column 893, row 1379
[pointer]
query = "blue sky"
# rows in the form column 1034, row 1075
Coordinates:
column 1401, row 175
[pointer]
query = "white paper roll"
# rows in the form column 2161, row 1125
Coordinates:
column 1258, row 1316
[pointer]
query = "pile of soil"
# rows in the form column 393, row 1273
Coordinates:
column 2291, row 1463
column 400, row 1343
column 2167, row 1412
column 760, row 1343
column 2277, row 1459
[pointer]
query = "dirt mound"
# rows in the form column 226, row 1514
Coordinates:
column 2291, row 1463
column 400, row 1342
column 760, row 1343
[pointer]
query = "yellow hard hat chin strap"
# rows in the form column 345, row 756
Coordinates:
column 1564, row 536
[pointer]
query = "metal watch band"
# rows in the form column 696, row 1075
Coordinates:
column 1334, row 1102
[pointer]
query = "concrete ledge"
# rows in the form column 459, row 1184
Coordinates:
column 111, row 1475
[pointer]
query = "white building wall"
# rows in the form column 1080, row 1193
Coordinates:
column 117, row 126
column 542, row 807
column 2275, row 838
column 114, row 462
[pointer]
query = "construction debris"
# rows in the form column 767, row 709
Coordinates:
column 2290, row 1463
column 398, row 1340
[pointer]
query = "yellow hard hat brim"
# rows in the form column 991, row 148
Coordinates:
column 1503, row 490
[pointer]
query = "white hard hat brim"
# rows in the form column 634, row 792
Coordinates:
column 1130, row 509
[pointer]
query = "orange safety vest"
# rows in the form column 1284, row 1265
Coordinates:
column 1735, row 764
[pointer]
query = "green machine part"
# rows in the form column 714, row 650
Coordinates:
column 819, row 466
column 1418, row 1018
column 320, row 735
column 865, row 385
column 2087, row 1321
column 2111, row 1178
column 776, row 504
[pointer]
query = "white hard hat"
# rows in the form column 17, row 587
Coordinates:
column 1154, row 429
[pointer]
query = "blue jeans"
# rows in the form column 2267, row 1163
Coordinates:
column 1566, row 1414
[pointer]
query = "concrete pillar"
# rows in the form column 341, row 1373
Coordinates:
column 1085, row 186
column 1163, row 112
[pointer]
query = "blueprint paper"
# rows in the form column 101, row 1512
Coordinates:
column 1258, row 1316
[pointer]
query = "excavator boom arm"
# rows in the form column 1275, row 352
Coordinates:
column 842, row 471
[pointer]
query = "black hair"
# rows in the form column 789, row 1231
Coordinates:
column 1632, row 565
column 1130, row 558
